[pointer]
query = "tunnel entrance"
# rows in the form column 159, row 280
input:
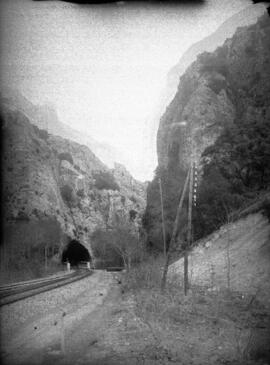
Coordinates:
column 75, row 253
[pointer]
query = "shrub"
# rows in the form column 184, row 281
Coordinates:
column 33, row 237
column 104, row 180
column 133, row 199
column 266, row 208
column 80, row 193
column 67, row 194
column 42, row 133
column 22, row 216
column 104, row 253
column 216, row 85
column 65, row 156
column 145, row 275
column 116, row 247
column 132, row 214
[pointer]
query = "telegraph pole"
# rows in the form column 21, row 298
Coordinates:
column 190, row 196
column 163, row 222
column 191, row 200
column 174, row 233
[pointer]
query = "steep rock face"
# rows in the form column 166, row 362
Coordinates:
column 232, row 82
column 48, row 176
column 245, row 17
column 126, row 182
column 221, row 90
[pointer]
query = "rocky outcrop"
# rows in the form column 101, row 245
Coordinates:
column 219, row 91
column 220, row 87
column 245, row 17
column 48, row 176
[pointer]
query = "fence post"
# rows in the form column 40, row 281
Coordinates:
column 68, row 266
column 63, row 347
column 88, row 265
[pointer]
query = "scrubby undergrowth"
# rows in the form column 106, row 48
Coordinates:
column 205, row 327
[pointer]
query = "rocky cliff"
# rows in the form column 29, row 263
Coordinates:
column 46, row 176
column 218, row 88
column 219, row 91
column 245, row 17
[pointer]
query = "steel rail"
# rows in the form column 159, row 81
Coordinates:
column 20, row 293
column 5, row 287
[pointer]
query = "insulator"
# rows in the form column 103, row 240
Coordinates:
column 195, row 190
column 195, row 178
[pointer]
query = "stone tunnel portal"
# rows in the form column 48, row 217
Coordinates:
column 75, row 253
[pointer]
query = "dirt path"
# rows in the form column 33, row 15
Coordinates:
column 69, row 324
column 100, row 327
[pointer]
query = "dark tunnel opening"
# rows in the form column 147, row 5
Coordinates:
column 75, row 253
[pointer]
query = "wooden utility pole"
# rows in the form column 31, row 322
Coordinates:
column 45, row 256
column 190, row 196
column 174, row 233
column 163, row 222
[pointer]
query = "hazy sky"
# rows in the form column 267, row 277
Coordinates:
column 103, row 67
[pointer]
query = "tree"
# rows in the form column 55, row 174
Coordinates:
column 235, row 168
column 242, row 155
column 172, row 179
column 126, row 244
column 104, row 180
column 118, row 245
column 26, row 243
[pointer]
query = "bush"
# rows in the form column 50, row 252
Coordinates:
column 104, row 180
column 80, row 193
column 145, row 275
column 116, row 247
column 65, row 156
column 133, row 199
column 33, row 236
column 266, row 208
column 22, row 216
column 104, row 253
column 216, row 85
column 42, row 133
column 67, row 194
column 132, row 214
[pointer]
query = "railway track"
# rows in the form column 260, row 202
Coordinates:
column 18, row 291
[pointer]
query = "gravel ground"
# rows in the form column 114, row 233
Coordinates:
column 33, row 323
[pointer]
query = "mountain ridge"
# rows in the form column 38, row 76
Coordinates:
column 45, row 117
